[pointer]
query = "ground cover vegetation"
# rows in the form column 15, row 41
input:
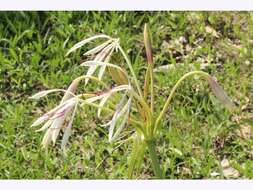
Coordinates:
column 198, row 137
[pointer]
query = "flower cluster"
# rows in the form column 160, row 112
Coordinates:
column 55, row 118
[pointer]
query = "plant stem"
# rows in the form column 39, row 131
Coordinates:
column 155, row 162
column 152, row 87
column 144, row 104
column 131, row 70
column 166, row 105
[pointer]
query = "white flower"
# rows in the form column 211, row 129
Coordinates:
column 102, row 53
column 121, row 113
column 55, row 117
column 54, row 120
column 119, row 119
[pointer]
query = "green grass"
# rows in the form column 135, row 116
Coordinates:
column 197, row 132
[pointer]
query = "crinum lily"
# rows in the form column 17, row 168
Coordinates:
column 102, row 53
column 130, row 103
column 55, row 118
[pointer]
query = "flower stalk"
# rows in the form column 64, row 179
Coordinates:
column 220, row 94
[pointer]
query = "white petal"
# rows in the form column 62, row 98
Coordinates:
column 55, row 133
column 98, row 48
column 121, row 87
column 45, row 126
column 95, row 98
column 52, row 112
column 100, row 57
column 66, row 106
column 58, row 122
column 101, row 72
column 120, row 128
column 90, row 72
column 100, row 63
column 46, row 116
column 119, row 111
column 47, row 138
column 109, row 93
column 104, row 53
column 41, row 94
column 85, row 41
column 70, row 92
column 56, row 127
column 107, row 124
column 124, row 112
column 101, row 104
column 40, row 120
column 46, row 92
column 66, row 136
column 67, row 131
column 102, row 68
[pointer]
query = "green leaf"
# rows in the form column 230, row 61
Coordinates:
column 136, row 157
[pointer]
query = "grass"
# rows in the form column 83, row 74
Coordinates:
column 197, row 133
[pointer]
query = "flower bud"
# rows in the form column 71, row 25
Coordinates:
column 147, row 44
column 220, row 94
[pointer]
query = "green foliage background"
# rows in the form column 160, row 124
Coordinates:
column 197, row 134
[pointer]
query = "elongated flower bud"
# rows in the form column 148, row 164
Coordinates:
column 147, row 44
column 220, row 94
column 148, row 48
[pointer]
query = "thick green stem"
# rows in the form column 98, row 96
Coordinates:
column 166, row 105
column 155, row 162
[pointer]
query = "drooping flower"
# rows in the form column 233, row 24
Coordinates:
column 119, row 118
column 105, row 95
column 55, row 117
column 54, row 120
column 102, row 53
column 121, row 113
column 220, row 94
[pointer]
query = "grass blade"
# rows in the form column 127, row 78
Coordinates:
column 136, row 158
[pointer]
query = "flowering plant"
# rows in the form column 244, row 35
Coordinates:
column 126, row 102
